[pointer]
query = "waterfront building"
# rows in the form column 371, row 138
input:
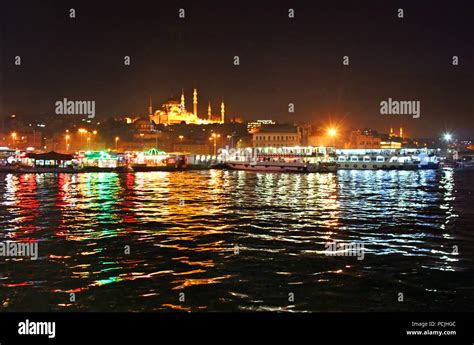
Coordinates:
column 99, row 159
column 276, row 136
column 143, row 126
column 390, row 144
column 364, row 139
column 152, row 157
column 50, row 159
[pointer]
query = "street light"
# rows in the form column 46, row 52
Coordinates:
column 13, row 139
column 116, row 141
column 447, row 137
column 214, row 137
column 82, row 131
column 94, row 132
column 67, row 142
column 332, row 132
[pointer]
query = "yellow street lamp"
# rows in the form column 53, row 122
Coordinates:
column 332, row 133
column 13, row 139
column 67, row 142
column 214, row 137
column 82, row 131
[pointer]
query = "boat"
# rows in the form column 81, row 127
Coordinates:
column 24, row 169
column 327, row 159
column 119, row 169
column 282, row 166
column 464, row 162
column 368, row 162
column 168, row 162
column 284, row 159
column 386, row 159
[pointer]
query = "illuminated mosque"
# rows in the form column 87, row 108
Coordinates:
column 174, row 112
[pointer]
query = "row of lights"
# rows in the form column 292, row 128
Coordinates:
column 331, row 132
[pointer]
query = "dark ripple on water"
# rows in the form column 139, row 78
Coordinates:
column 234, row 240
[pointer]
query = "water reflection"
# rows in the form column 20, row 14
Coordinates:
column 233, row 240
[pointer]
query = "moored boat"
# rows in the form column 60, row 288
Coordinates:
column 386, row 159
column 282, row 166
column 284, row 159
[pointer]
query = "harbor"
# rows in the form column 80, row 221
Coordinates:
column 284, row 159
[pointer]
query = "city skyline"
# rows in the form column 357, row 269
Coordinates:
column 273, row 169
column 282, row 60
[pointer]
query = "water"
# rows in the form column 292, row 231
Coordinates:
column 238, row 241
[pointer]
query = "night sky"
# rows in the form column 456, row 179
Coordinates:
column 282, row 60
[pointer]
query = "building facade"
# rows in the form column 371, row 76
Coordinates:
column 276, row 136
column 364, row 139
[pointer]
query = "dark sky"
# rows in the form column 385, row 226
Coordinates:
column 282, row 60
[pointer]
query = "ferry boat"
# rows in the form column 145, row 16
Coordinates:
column 387, row 159
column 314, row 159
column 282, row 166
column 155, row 160
column 284, row 159
column 460, row 162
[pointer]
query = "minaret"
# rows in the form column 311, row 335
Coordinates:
column 209, row 112
column 182, row 101
column 195, row 102
column 401, row 132
column 150, row 108
column 222, row 111
column 391, row 132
